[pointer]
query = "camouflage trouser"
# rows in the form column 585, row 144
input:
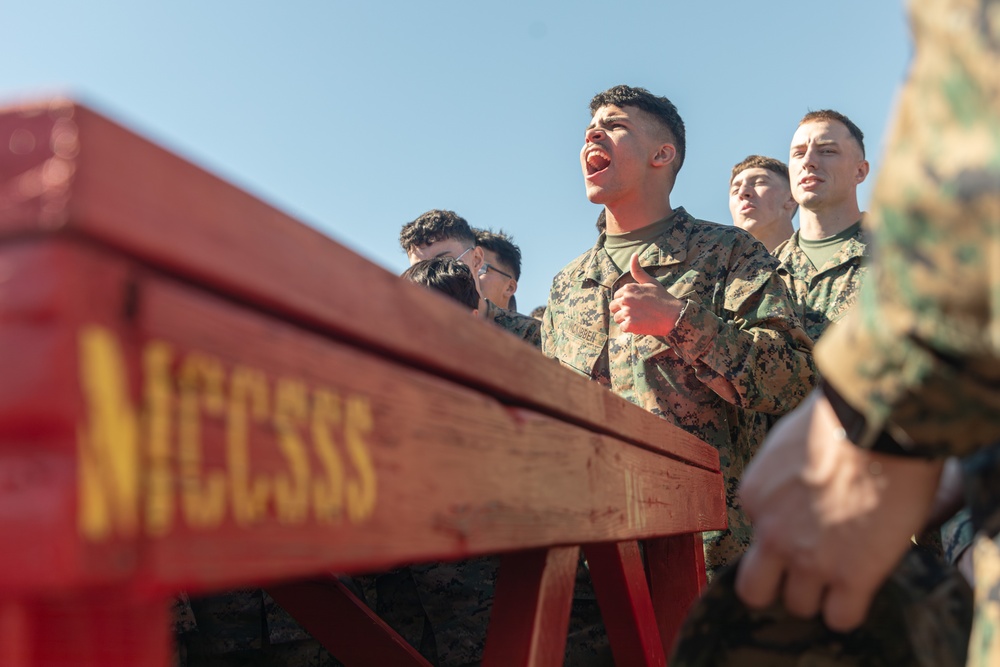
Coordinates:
column 243, row 628
column 920, row 618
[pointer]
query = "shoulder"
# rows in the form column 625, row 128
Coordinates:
column 527, row 328
column 703, row 233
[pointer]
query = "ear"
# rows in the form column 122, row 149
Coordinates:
column 790, row 204
column 664, row 155
column 863, row 168
column 510, row 287
column 476, row 259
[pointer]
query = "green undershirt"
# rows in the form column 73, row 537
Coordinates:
column 820, row 251
column 621, row 246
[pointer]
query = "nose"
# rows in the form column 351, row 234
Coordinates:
column 745, row 191
column 594, row 134
column 809, row 159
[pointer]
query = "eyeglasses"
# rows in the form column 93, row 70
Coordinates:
column 464, row 253
column 487, row 266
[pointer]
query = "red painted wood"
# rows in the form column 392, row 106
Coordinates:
column 88, row 175
column 457, row 473
column 531, row 608
column 676, row 567
column 351, row 631
column 623, row 593
column 85, row 629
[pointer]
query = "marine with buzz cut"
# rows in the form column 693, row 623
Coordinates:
column 683, row 317
column 760, row 199
column 822, row 263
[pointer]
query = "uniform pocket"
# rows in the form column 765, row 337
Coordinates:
column 581, row 348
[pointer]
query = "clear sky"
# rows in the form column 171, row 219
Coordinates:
column 356, row 117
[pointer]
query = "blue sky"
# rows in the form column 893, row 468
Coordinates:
column 356, row 117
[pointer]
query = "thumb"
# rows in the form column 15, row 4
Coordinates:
column 639, row 273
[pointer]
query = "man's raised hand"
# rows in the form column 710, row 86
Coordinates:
column 645, row 306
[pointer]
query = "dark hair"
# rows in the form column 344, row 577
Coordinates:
column 501, row 243
column 446, row 275
column 760, row 162
column 659, row 107
column 434, row 226
column 830, row 114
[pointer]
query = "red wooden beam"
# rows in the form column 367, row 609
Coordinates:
column 345, row 626
column 531, row 607
column 676, row 568
column 86, row 175
column 626, row 607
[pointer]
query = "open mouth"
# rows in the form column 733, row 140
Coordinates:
column 596, row 161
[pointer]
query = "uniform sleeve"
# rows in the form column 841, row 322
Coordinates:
column 918, row 356
column 758, row 358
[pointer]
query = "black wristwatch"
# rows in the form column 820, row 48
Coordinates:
column 854, row 424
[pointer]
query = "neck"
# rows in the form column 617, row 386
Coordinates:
column 775, row 235
column 821, row 224
column 624, row 217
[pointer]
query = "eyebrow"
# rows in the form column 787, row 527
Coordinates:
column 607, row 120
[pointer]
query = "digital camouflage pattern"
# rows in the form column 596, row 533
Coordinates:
column 522, row 326
column 920, row 618
column 457, row 598
column 823, row 295
column 244, row 628
column 737, row 342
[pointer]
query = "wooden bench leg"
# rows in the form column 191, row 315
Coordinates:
column 86, row 630
column 626, row 607
column 344, row 625
column 676, row 568
column 531, row 608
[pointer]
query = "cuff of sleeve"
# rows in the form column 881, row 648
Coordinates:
column 694, row 333
column 858, row 430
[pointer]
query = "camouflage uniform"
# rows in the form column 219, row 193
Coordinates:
column 920, row 354
column 244, row 628
column 737, row 342
column 823, row 295
column 928, row 606
column 522, row 326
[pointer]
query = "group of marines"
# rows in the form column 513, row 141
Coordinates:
column 712, row 327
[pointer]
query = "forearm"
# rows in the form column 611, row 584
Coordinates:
column 766, row 367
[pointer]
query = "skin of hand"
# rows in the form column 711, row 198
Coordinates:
column 645, row 306
column 831, row 519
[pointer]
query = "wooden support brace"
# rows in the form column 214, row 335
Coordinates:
column 531, row 608
column 623, row 594
column 676, row 567
column 344, row 625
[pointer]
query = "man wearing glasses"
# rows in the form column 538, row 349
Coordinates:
column 502, row 268
column 439, row 233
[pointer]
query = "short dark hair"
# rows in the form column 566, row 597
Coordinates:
column 433, row 226
column 501, row 243
column 659, row 107
column 830, row 114
column 446, row 275
column 760, row 162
